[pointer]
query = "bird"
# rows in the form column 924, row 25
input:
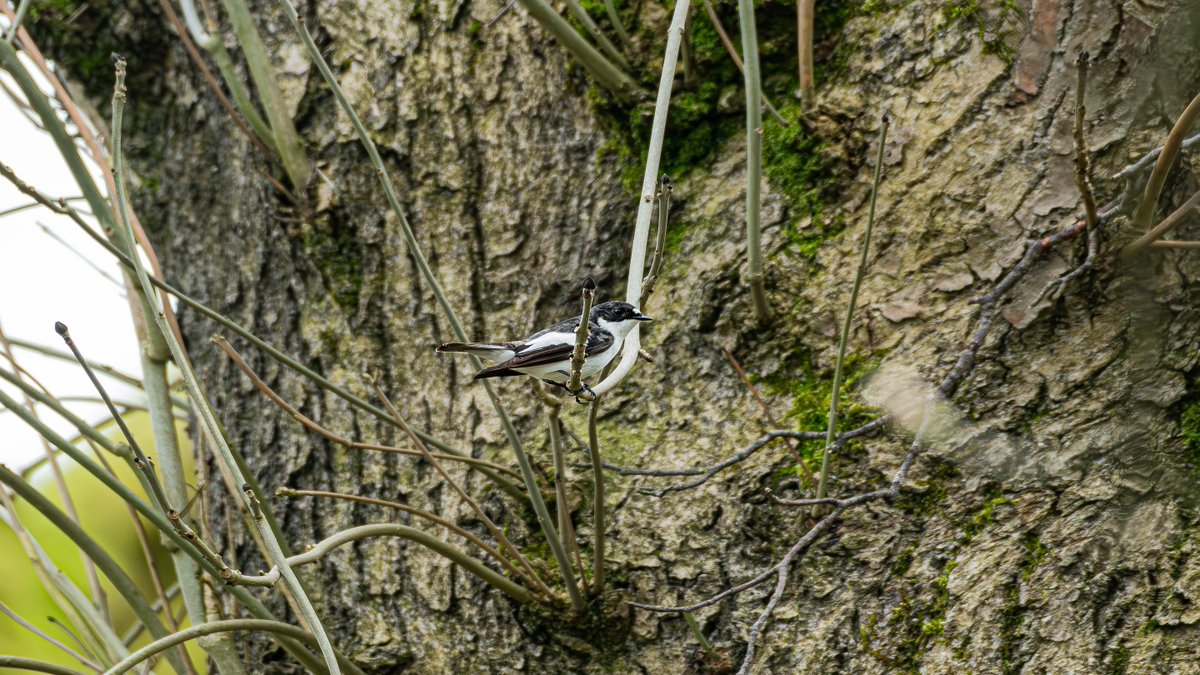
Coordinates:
column 546, row 355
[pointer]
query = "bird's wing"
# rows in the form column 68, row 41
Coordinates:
column 549, row 352
column 565, row 326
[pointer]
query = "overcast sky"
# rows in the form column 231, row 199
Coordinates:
column 43, row 281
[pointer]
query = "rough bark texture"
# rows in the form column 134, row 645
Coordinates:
column 1050, row 530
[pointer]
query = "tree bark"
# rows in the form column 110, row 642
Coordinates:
column 1050, row 528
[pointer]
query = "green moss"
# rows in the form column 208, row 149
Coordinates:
column 1035, row 555
column 1011, row 620
column 1118, row 661
column 984, row 517
column 935, row 624
column 1189, row 428
column 794, row 164
column 811, row 393
column 76, row 44
column 1189, row 432
column 920, row 500
column 903, row 561
column 332, row 248
column 707, row 107
column 995, row 21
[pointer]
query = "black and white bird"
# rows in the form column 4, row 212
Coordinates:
column 546, row 354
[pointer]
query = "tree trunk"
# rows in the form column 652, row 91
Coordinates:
column 1049, row 528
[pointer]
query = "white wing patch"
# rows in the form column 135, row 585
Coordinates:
column 547, row 340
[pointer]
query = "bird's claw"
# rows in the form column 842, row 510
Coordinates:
column 584, row 394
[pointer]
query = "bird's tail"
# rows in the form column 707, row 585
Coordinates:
column 481, row 349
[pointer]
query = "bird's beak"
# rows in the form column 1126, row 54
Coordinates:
column 642, row 317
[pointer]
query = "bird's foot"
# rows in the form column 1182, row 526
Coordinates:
column 584, row 395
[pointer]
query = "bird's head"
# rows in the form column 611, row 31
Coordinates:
column 617, row 318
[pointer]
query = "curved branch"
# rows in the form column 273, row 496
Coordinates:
column 319, row 550
column 22, row 663
column 641, row 230
column 232, row 625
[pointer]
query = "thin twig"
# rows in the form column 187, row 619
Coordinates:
column 104, row 562
column 660, row 241
column 1175, row 244
column 268, row 151
column 325, row 433
column 805, row 15
column 435, row 286
column 4, row 609
column 99, row 598
column 1083, row 181
column 206, row 413
column 583, row 333
column 495, row 531
column 225, row 321
column 1148, row 159
column 1083, row 178
column 84, row 258
column 851, row 306
column 762, row 404
column 420, row 513
column 839, row 506
column 598, row 507
column 151, row 513
column 239, row 625
column 1170, row 150
column 706, row 473
column 469, row 563
column 737, row 60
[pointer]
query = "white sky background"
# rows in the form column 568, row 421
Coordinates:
column 43, row 281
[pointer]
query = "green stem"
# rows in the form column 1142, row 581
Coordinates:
column 598, row 524
column 166, row 449
column 201, row 403
column 22, row 663
column 850, row 306
column 18, row 18
column 98, row 598
column 287, row 141
column 762, row 311
column 611, row 77
column 598, row 35
column 109, row 567
column 241, row 95
column 97, row 633
column 232, row 625
column 691, row 622
column 414, row 248
column 467, row 562
column 58, row 133
column 211, row 42
column 615, row 20
column 641, row 228
column 420, row 513
column 152, row 514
